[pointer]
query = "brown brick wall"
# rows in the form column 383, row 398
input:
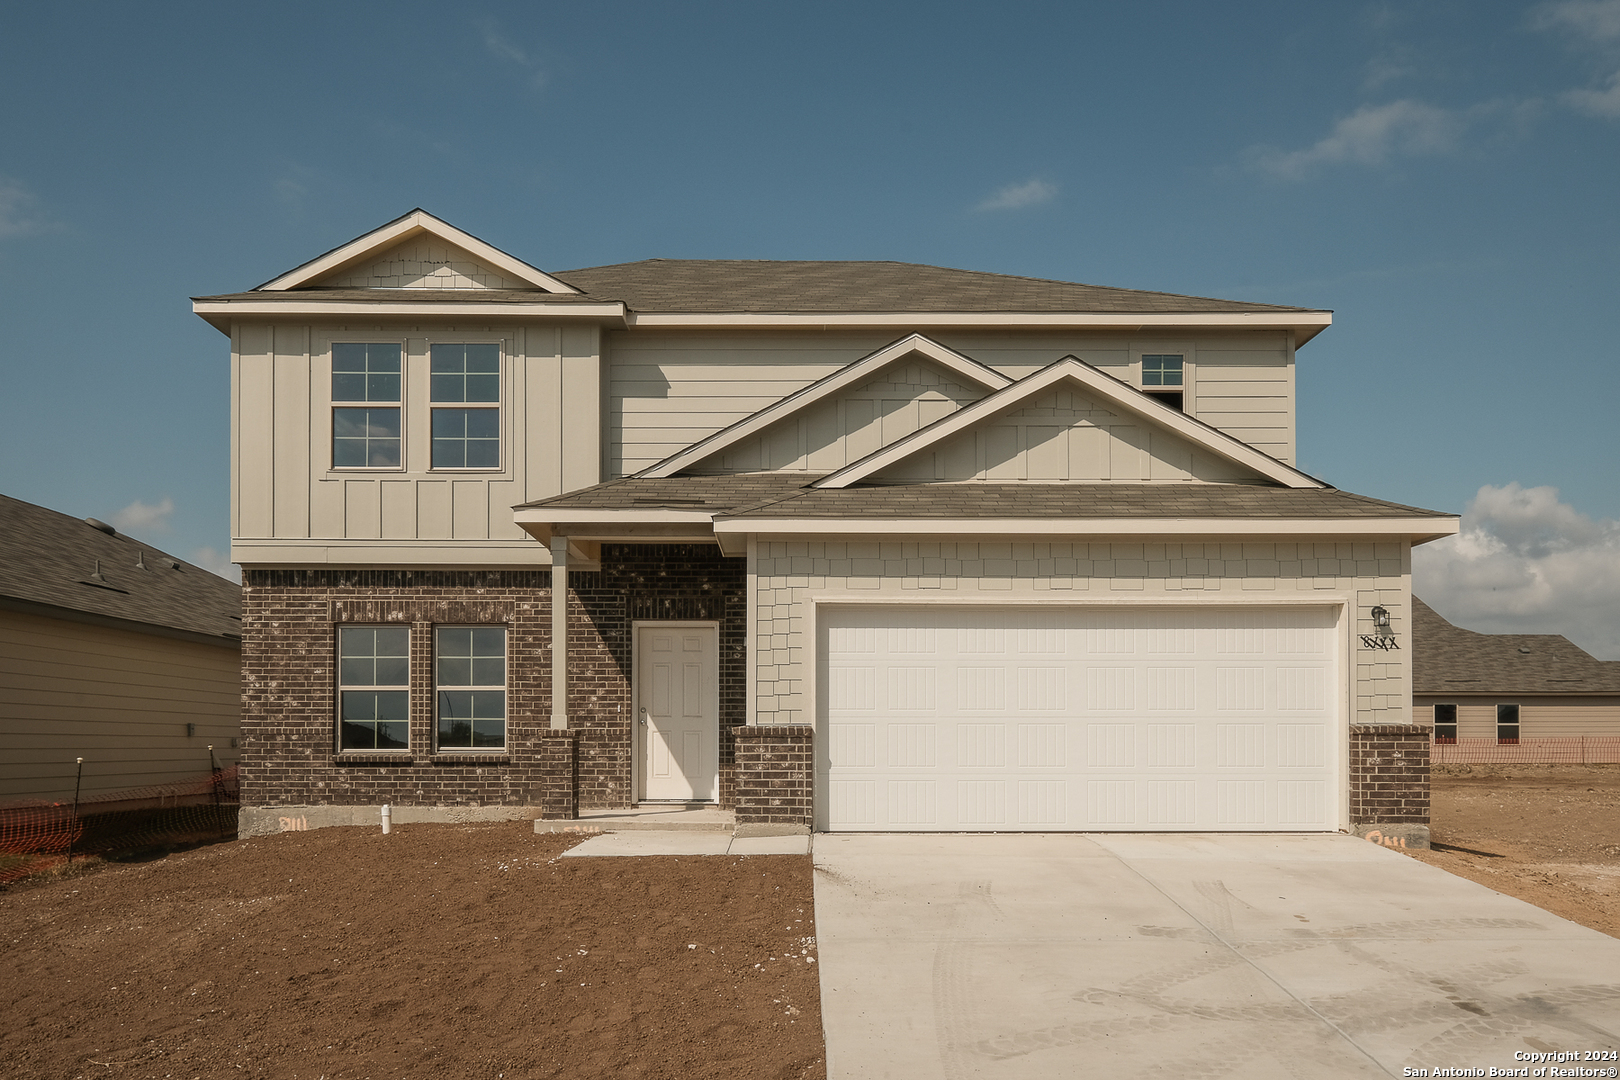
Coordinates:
column 1389, row 774
column 775, row 775
column 289, row 693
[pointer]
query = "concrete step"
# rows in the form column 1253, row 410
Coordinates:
column 648, row 817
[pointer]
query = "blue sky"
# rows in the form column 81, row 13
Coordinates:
column 1444, row 175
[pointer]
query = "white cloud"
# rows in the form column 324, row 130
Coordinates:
column 1370, row 136
column 1598, row 102
column 1526, row 562
column 215, row 562
column 1595, row 20
column 145, row 517
column 503, row 48
column 19, row 210
column 1017, row 196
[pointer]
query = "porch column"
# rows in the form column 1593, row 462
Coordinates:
column 559, row 632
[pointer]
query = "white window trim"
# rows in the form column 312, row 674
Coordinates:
column 500, row 406
column 339, row 686
column 1189, row 369
column 325, row 372
column 505, row 688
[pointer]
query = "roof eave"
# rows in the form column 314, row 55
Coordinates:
column 221, row 313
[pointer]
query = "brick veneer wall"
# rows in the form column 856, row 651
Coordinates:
column 1389, row 774
column 775, row 775
column 289, row 695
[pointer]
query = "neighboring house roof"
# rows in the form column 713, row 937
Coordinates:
column 49, row 562
column 1447, row 659
column 760, row 285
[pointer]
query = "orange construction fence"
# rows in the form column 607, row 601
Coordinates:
column 1569, row 750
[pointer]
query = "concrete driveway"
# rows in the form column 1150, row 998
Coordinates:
column 1191, row 956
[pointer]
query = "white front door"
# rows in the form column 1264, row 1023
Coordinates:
column 678, row 710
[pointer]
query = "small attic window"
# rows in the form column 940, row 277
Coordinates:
column 1163, row 376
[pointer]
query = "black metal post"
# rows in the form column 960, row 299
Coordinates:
column 74, row 833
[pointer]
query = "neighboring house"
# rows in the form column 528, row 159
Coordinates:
column 1512, row 697
column 112, row 651
column 853, row 545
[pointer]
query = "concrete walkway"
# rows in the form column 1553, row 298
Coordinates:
column 1189, row 956
column 673, row 842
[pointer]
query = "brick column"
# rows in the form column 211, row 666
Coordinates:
column 556, row 762
column 1389, row 783
column 775, row 779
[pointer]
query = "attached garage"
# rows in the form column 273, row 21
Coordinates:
column 1044, row 717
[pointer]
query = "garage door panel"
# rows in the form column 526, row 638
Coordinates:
column 1080, row 718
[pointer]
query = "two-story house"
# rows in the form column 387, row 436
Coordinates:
column 846, row 545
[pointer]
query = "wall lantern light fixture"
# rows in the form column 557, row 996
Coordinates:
column 1380, row 618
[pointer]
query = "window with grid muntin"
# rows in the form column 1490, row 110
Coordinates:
column 374, row 696
column 1162, row 369
column 470, row 686
column 1507, row 723
column 465, row 388
column 366, row 434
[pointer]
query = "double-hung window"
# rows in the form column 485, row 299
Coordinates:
column 1507, row 723
column 374, row 688
column 1445, row 723
column 365, row 405
column 1163, row 376
column 466, row 404
column 470, row 685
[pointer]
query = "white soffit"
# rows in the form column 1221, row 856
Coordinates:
column 1416, row 529
column 853, row 374
column 1088, row 378
column 403, row 228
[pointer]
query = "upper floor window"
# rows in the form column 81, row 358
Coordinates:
column 470, row 682
column 1445, row 723
column 1163, row 375
column 466, row 394
column 374, row 695
column 365, row 436
column 1507, row 723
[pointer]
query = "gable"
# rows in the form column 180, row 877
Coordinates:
column 424, row 262
column 1065, row 434
column 829, row 434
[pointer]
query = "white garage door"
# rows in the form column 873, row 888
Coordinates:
column 1048, row 719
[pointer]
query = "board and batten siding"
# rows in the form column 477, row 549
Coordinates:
column 117, row 698
column 666, row 389
column 290, row 506
column 1540, row 716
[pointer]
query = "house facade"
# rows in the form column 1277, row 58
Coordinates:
column 114, row 652
column 1512, row 698
column 838, row 545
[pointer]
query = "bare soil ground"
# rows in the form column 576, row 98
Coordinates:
column 1547, row 834
column 441, row 951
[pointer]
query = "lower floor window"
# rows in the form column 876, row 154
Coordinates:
column 1445, row 723
column 470, row 686
column 1507, row 723
column 374, row 696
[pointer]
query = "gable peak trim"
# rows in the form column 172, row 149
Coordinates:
column 404, row 227
column 1115, row 391
column 851, row 374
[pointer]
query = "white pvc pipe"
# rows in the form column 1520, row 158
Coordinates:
column 387, row 816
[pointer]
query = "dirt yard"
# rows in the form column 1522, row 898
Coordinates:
column 1547, row 834
column 440, row 952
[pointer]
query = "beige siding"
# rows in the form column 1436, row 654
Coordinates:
column 668, row 389
column 290, row 505
column 119, row 699
column 831, row 434
column 1540, row 717
column 1064, row 435
column 424, row 262
column 787, row 577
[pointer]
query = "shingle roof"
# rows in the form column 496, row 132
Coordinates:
column 1078, row 500
column 50, row 558
column 766, row 496
column 410, row 296
column 758, row 285
column 1447, row 659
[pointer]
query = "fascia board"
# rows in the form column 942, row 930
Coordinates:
column 1116, row 392
column 400, row 228
column 842, row 379
column 213, row 310
column 541, row 515
column 1418, row 530
column 1305, row 324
